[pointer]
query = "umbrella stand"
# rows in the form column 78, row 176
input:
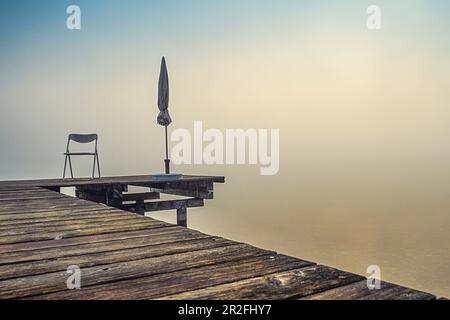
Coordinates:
column 167, row 160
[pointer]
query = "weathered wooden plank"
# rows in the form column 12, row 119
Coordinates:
column 11, row 188
column 81, row 216
column 54, row 282
column 40, row 202
column 52, row 209
column 280, row 286
column 64, row 224
column 55, row 208
column 359, row 291
column 158, row 236
column 36, row 195
column 52, row 197
column 68, row 212
column 51, row 235
column 17, row 189
column 77, row 225
column 37, row 191
column 159, row 285
column 28, row 197
column 166, row 247
column 28, row 207
column 119, row 235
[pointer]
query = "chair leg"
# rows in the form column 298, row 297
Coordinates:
column 70, row 165
column 65, row 166
column 93, row 168
column 98, row 166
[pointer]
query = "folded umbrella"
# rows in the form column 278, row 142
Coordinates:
column 164, row 118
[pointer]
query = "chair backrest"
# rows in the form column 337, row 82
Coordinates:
column 83, row 138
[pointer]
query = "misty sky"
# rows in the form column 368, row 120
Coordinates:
column 310, row 68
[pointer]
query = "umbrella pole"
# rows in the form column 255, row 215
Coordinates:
column 167, row 161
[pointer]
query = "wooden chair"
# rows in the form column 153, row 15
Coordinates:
column 83, row 139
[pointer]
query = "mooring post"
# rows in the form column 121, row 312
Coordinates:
column 182, row 217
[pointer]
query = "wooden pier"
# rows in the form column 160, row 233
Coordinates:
column 125, row 255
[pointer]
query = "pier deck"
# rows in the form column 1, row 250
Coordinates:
column 123, row 255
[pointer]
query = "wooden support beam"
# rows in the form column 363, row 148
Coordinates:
column 113, row 195
column 166, row 205
column 110, row 195
column 182, row 217
column 202, row 194
column 197, row 189
column 91, row 196
column 141, row 196
column 140, row 207
column 56, row 189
